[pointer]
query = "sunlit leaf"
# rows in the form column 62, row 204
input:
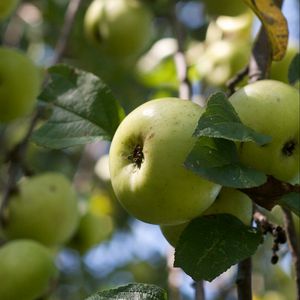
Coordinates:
column 275, row 24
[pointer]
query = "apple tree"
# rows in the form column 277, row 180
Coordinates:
column 180, row 114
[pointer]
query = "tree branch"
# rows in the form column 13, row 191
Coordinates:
column 16, row 166
column 199, row 290
column 268, row 194
column 244, row 280
column 293, row 245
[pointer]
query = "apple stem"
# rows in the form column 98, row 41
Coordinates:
column 293, row 245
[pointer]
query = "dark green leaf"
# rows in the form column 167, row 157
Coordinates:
column 217, row 160
column 220, row 120
column 210, row 245
column 292, row 202
column 136, row 291
column 294, row 69
column 83, row 109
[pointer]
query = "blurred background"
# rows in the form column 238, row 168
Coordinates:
column 128, row 250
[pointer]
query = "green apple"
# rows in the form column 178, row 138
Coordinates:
column 121, row 28
column 7, row 7
column 229, row 201
column 26, row 270
column 44, row 208
column 231, row 28
column 222, row 60
column 146, row 163
column 19, row 84
column 272, row 108
column 92, row 230
column 225, row 7
column 279, row 69
column 156, row 68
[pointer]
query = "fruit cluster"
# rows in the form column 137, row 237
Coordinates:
column 150, row 146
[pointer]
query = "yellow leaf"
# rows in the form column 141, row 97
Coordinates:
column 275, row 24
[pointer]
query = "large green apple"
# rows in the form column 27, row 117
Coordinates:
column 146, row 163
column 229, row 201
column 19, row 84
column 225, row 7
column 27, row 270
column 272, row 108
column 44, row 209
column 121, row 27
column 7, row 7
column 221, row 60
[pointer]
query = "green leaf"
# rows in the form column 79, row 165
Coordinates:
column 210, row 245
column 220, row 120
column 217, row 160
column 83, row 109
column 294, row 69
column 136, row 291
column 292, row 202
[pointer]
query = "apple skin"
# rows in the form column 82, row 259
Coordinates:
column 225, row 7
column 158, row 188
column 120, row 28
column 229, row 201
column 272, row 108
column 27, row 269
column 7, row 7
column 45, row 209
column 19, row 84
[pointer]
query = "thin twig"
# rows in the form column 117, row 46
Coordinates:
column 185, row 89
column 231, row 84
column 66, row 30
column 244, row 280
column 293, row 245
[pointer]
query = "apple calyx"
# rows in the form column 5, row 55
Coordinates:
column 137, row 156
column 289, row 148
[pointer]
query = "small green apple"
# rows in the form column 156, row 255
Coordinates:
column 225, row 7
column 146, row 163
column 19, row 84
column 44, row 208
column 7, row 7
column 223, row 59
column 27, row 269
column 120, row 28
column 92, row 230
column 279, row 69
column 229, row 201
column 272, row 108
